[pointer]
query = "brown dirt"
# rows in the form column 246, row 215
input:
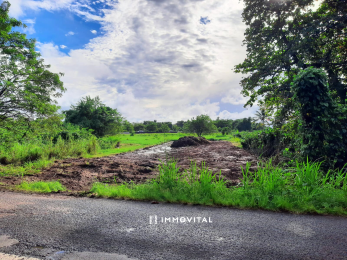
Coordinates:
column 189, row 141
column 140, row 166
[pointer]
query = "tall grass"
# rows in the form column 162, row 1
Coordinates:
column 41, row 186
column 30, row 157
column 303, row 188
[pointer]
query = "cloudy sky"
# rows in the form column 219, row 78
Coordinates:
column 167, row 60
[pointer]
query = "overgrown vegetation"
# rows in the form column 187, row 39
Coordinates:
column 301, row 189
column 41, row 186
column 299, row 82
column 91, row 113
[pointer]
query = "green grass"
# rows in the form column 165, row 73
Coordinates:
column 30, row 158
column 231, row 138
column 41, row 186
column 302, row 189
column 130, row 143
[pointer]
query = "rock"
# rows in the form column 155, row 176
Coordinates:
column 189, row 141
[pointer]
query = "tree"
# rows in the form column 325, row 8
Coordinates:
column 244, row 124
column 225, row 130
column 27, row 89
column 127, row 126
column 91, row 113
column 151, row 127
column 221, row 123
column 138, row 127
column 283, row 38
column 175, row 128
column 323, row 122
column 165, row 128
column 203, row 124
column 261, row 116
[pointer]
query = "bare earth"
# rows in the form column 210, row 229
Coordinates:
column 140, row 166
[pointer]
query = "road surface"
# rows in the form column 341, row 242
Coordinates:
column 61, row 227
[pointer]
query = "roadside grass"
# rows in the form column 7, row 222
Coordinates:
column 300, row 189
column 28, row 168
column 31, row 157
column 41, row 186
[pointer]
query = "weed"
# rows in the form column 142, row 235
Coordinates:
column 41, row 186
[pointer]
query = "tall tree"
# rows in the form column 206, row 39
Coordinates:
column 200, row 125
column 93, row 114
column 284, row 37
column 27, row 88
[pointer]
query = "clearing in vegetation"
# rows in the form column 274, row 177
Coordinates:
column 79, row 174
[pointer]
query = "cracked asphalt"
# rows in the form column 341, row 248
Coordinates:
column 85, row 228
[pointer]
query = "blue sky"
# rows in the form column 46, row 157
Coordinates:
column 150, row 59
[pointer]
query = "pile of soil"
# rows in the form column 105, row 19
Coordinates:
column 189, row 141
column 78, row 174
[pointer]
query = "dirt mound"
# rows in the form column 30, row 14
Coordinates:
column 189, row 141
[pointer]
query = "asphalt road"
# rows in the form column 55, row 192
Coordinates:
column 84, row 228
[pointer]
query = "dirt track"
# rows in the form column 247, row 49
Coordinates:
column 141, row 165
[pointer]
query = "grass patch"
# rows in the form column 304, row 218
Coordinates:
column 41, row 186
column 236, row 141
column 301, row 189
column 29, row 168
column 130, row 143
column 31, row 157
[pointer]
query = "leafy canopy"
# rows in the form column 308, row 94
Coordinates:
column 27, row 88
column 200, row 125
column 91, row 113
column 284, row 37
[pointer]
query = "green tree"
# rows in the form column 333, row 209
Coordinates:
column 322, row 122
column 175, row 128
column 138, row 127
column 283, row 38
column 91, row 113
column 221, row 123
column 225, row 130
column 151, row 127
column 165, row 128
column 261, row 116
column 27, row 88
column 127, row 126
column 203, row 124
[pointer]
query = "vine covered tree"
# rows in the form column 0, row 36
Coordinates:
column 285, row 37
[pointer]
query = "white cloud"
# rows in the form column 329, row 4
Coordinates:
column 30, row 26
column 156, row 60
column 94, row 31
column 70, row 33
column 63, row 46
column 233, row 115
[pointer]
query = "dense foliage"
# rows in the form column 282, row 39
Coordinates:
column 296, row 69
column 283, row 38
column 200, row 125
column 27, row 88
column 322, row 123
column 91, row 113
